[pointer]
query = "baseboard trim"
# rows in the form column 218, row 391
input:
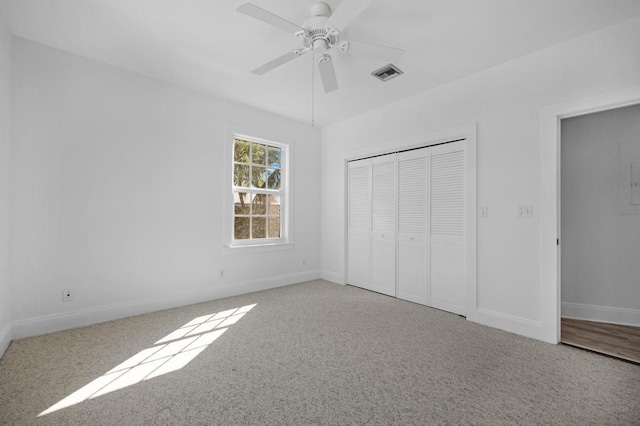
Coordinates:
column 5, row 338
column 332, row 276
column 511, row 323
column 596, row 313
column 64, row 321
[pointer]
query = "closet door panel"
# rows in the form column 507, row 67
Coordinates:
column 359, row 224
column 447, row 274
column 383, row 235
column 412, row 278
column 359, row 268
column 413, row 247
column 447, row 227
column 383, row 263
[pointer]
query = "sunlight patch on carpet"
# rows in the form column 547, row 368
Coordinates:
column 171, row 353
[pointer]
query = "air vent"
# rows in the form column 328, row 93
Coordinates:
column 387, row 72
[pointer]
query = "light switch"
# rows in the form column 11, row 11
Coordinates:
column 484, row 211
column 635, row 184
column 525, row 211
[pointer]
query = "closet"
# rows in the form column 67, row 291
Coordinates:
column 406, row 225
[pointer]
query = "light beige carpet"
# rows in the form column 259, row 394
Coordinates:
column 313, row 353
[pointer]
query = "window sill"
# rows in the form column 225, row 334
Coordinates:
column 257, row 248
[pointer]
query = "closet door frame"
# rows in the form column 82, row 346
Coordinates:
column 469, row 134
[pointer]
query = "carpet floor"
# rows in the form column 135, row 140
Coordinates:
column 312, row 353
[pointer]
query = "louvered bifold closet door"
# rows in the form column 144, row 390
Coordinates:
column 447, row 227
column 413, row 236
column 383, row 225
column 359, row 238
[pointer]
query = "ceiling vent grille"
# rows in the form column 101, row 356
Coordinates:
column 387, row 72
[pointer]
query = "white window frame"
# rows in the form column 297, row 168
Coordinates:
column 233, row 132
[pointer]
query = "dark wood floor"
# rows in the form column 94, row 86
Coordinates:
column 621, row 341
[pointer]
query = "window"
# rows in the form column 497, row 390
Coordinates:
column 259, row 192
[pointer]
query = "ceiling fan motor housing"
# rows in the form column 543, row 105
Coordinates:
column 317, row 35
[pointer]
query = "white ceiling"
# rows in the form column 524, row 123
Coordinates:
column 207, row 46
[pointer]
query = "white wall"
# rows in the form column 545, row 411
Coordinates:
column 5, row 115
column 117, row 189
column 600, row 244
column 506, row 102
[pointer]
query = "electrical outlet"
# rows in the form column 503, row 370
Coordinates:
column 68, row 295
column 221, row 273
column 484, row 211
column 525, row 211
column 304, row 262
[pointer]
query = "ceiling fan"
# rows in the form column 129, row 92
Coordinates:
column 321, row 33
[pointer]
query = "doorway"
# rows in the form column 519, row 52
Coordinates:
column 600, row 232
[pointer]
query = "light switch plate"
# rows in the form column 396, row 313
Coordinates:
column 484, row 211
column 525, row 211
column 635, row 184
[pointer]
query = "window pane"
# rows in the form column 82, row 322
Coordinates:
column 241, row 228
column 274, row 205
column 275, row 157
column 273, row 178
column 258, row 187
column 274, row 227
column 258, row 177
column 241, row 202
column 260, row 204
column 258, row 153
column 240, row 175
column 241, row 151
column 259, row 225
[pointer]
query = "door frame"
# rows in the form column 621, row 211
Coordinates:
column 467, row 132
column 550, row 155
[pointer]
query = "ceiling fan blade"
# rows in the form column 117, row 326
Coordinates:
column 373, row 51
column 346, row 12
column 280, row 60
column 267, row 17
column 327, row 73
